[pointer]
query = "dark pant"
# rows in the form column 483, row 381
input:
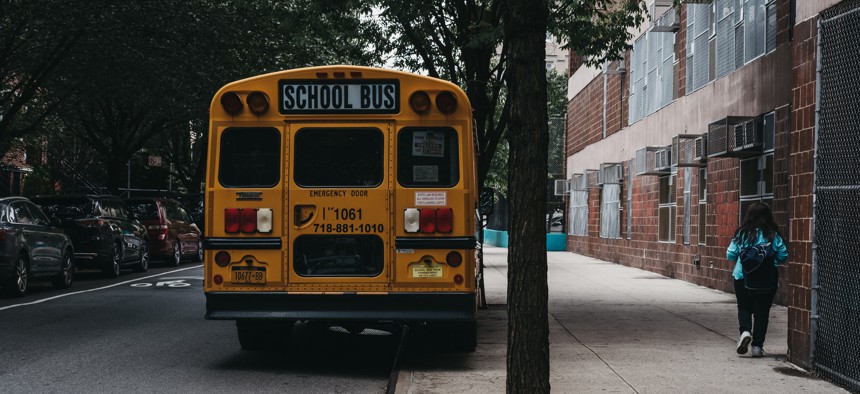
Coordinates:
column 753, row 304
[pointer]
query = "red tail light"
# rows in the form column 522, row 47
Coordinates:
column 444, row 220
column 162, row 230
column 2, row 235
column 248, row 220
column 231, row 220
column 427, row 220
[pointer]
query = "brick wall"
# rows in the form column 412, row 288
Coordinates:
column 585, row 117
column 585, row 111
column 801, row 185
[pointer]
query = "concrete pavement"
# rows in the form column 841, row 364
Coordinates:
column 616, row 329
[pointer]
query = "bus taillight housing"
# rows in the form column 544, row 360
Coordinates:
column 247, row 220
column 428, row 220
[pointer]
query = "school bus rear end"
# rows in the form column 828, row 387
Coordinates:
column 340, row 194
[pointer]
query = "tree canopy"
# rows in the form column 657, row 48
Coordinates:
column 126, row 76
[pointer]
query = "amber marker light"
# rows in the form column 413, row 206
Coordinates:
column 446, row 102
column 420, row 102
column 258, row 102
column 231, row 102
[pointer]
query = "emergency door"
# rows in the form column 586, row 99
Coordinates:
column 339, row 203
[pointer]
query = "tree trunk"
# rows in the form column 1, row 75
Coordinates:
column 528, row 327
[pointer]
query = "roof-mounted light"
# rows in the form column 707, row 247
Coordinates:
column 231, row 102
column 258, row 102
column 420, row 102
column 446, row 102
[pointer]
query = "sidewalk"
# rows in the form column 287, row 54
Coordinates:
column 616, row 329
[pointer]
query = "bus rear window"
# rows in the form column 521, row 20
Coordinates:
column 338, row 255
column 338, row 157
column 250, row 157
column 428, row 157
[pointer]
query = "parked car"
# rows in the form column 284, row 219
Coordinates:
column 172, row 232
column 193, row 204
column 104, row 233
column 31, row 249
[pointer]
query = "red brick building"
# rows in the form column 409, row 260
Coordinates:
column 715, row 108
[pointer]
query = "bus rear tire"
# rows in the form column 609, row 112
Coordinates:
column 264, row 335
column 464, row 336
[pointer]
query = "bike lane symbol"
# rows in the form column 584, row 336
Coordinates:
column 176, row 283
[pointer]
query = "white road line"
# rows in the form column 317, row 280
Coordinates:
column 99, row 288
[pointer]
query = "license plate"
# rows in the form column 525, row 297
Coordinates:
column 249, row 275
column 427, row 271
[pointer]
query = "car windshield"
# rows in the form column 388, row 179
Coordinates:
column 71, row 208
column 144, row 210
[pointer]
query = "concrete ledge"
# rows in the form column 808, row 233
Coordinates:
column 554, row 241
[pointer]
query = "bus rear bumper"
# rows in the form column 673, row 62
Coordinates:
column 395, row 307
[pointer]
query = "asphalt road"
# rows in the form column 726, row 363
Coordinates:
column 146, row 333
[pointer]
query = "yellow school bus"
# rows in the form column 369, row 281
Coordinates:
column 343, row 195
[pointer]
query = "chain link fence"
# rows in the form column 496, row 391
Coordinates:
column 836, row 267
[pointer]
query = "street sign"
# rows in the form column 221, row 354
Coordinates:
column 154, row 161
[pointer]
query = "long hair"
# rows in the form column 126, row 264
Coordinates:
column 758, row 217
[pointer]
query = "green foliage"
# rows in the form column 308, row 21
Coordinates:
column 456, row 40
column 140, row 75
column 597, row 30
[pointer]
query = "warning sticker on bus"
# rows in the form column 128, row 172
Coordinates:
column 319, row 96
column 428, row 144
column 430, row 199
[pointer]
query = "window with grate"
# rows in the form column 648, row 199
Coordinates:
column 651, row 74
column 745, row 30
column 579, row 212
column 770, row 33
column 703, row 204
column 666, row 211
column 688, row 205
column 755, row 21
column 630, row 198
column 698, row 36
column 757, row 172
column 610, row 211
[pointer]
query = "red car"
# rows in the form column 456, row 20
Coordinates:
column 173, row 235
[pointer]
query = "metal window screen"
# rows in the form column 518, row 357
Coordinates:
column 770, row 39
column 836, row 269
column 610, row 211
column 630, row 172
column 754, row 29
column 725, row 37
column 687, row 206
column 579, row 212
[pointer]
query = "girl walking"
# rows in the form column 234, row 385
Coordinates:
column 758, row 228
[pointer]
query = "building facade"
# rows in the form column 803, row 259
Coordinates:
column 719, row 104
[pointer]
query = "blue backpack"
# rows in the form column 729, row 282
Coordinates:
column 760, row 273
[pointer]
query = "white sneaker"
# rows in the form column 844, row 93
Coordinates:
column 757, row 351
column 744, row 341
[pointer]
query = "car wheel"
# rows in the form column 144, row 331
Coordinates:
column 199, row 256
column 176, row 258
column 19, row 283
column 67, row 273
column 143, row 263
column 112, row 269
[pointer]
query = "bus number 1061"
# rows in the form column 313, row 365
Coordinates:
column 342, row 213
